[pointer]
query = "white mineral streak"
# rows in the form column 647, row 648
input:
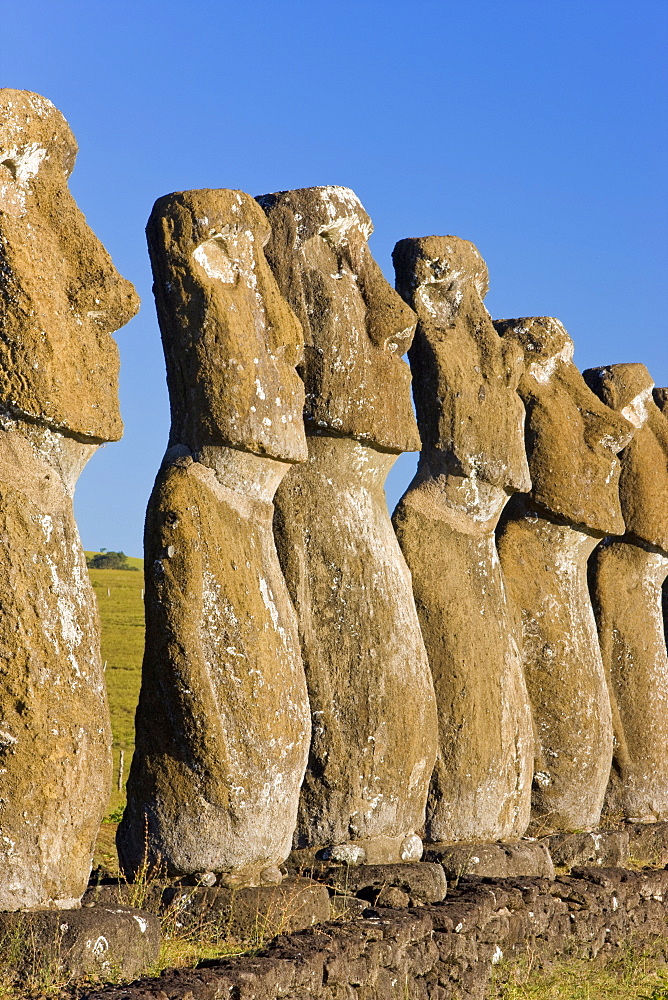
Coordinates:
column 18, row 165
column 544, row 370
column 636, row 411
column 268, row 599
column 339, row 228
column 215, row 260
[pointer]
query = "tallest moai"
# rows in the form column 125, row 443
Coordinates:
column 60, row 300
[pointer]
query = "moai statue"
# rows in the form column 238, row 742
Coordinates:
column 544, row 542
column 60, row 300
column 371, row 694
column 661, row 400
column 626, row 578
column 471, row 423
column 223, row 725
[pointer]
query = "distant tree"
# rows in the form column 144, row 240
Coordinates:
column 109, row 560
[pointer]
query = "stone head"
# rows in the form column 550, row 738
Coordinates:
column 643, row 482
column 356, row 327
column 61, row 296
column 231, row 341
column 465, row 376
column 572, row 438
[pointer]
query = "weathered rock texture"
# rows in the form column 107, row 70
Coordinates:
column 261, row 911
column 372, row 700
column 604, row 848
column 626, row 577
column 544, row 542
column 660, row 397
column 104, row 941
column 471, row 422
column 60, row 300
column 509, row 859
column 443, row 951
column 223, row 721
column 420, row 883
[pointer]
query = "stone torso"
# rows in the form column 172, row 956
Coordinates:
column 55, row 736
column 216, row 769
column 372, row 747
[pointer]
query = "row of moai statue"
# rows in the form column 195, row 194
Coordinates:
column 316, row 677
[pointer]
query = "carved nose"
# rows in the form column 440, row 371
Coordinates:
column 611, row 430
column 390, row 321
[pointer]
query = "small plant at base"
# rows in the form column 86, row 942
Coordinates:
column 116, row 815
column 659, row 992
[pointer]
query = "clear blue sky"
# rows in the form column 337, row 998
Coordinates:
column 535, row 129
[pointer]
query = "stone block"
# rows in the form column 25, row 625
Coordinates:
column 648, row 843
column 262, row 912
column 93, row 940
column 120, row 893
column 521, row 858
column 387, row 885
column 608, row 848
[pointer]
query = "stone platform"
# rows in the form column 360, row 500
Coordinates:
column 380, row 927
column 437, row 951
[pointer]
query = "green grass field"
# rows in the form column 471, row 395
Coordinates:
column 120, row 598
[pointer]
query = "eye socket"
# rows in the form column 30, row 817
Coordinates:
column 10, row 165
column 213, row 256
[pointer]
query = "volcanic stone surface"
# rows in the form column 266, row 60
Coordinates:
column 100, row 940
column 223, row 723
column 448, row 950
column 471, row 422
column 259, row 912
column 61, row 299
column 607, row 848
column 627, row 577
column 370, row 689
column 544, row 542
